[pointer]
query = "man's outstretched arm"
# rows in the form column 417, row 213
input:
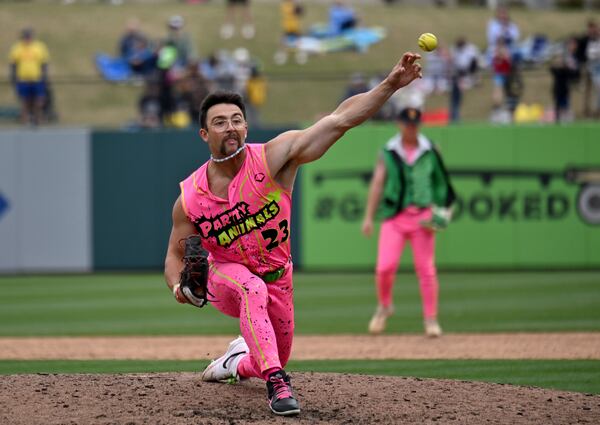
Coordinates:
column 287, row 151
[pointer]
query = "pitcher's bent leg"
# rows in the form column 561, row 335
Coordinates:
column 281, row 312
column 238, row 292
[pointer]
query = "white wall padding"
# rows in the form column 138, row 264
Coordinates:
column 45, row 178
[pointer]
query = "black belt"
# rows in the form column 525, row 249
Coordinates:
column 271, row 277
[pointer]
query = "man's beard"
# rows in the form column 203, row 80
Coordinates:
column 234, row 136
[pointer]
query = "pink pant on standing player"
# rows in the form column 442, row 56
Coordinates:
column 393, row 235
column 265, row 310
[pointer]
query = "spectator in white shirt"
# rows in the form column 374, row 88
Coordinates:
column 465, row 57
column 501, row 29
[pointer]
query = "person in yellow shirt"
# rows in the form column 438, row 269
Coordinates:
column 29, row 74
column 256, row 95
column 291, row 12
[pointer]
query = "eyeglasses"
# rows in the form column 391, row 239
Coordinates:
column 222, row 124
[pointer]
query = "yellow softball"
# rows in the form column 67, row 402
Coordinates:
column 427, row 41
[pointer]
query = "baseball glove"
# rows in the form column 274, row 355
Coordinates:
column 193, row 280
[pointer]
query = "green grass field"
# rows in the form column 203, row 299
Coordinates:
column 295, row 94
column 140, row 304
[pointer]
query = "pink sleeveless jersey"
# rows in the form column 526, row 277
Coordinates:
column 252, row 227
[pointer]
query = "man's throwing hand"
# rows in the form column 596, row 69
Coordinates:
column 405, row 71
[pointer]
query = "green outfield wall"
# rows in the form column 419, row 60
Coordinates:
column 135, row 183
column 80, row 200
column 528, row 197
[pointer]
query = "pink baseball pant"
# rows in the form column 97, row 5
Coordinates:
column 265, row 311
column 393, row 235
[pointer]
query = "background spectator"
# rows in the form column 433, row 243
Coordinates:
column 582, row 60
column 167, row 73
column 192, row 88
column 501, row 30
column 141, row 58
column 224, row 71
column 593, row 57
column 129, row 38
column 465, row 61
column 341, row 17
column 256, row 95
column 464, row 73
column 291, row 12
column 29, row 74
column 501, row 68
column 592, row 33
column 149, row 105
column 242, row 68
column 181, row 40
column 513, row 89
column 456, row 96
column 291, row 26
column 136, row 56
column 208, row 68
column 220, row 70
column 238, row 11
column 437, row 70
column 563, row 72
column 566, row 72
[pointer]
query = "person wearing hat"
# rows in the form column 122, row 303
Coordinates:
column 180, row 39
column 29, row 74
column 411, row 191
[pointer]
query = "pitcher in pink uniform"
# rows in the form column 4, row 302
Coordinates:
column 412, row 189
column 239, row 203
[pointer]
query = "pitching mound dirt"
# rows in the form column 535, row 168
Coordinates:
column 181, row 398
